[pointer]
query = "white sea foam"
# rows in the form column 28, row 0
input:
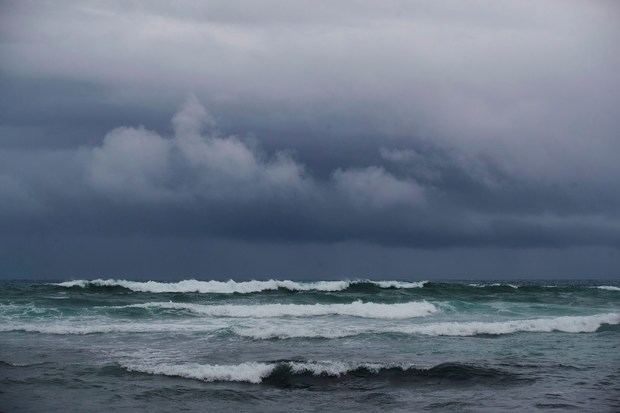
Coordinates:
column 399, row 284
column 493, row 285
column 566, row 324
column 355, row 309
column 25, row 309
column 334, row 329
column 251, row 372
column 608, row 288
column 248, row 372
column 231, row 286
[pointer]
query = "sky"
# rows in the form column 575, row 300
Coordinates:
column 312, row 139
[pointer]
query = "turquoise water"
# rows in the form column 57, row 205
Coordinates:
column 309, row 346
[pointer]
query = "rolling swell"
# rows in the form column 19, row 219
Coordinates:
column 354, row 309
column 448, row 373
column 285, row 373
column 349, row 286
column 231, row 287
column 462, row 288
column 566, row 324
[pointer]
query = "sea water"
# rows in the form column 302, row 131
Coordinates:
column 280, row 345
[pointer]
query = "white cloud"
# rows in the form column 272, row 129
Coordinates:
column 132, row 163
column 373, row 187
column 136, row 164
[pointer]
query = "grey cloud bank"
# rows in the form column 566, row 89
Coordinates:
column 403, row 136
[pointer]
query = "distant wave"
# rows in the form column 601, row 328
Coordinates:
column 608, row 288
column 531, row 286
column 493, row 285
column 355, row 309
column 358, row 286
column 290, row 373
column 94, row 328
column 26, row 309
column 10, row 364
column 231, row 286
column 566, row 324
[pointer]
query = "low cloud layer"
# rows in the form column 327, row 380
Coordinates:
column 202, row 182
column 415, row 125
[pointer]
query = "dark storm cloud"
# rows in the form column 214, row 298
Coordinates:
column 426, row 124
column 201, row 182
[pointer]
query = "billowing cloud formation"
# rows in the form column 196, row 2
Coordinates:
column 139, row 165
column 220, row 184
column 424, row 124
column 199, row 181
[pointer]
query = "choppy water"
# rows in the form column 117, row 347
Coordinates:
column 115, row 345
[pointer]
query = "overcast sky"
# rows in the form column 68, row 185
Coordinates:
column 309, row 139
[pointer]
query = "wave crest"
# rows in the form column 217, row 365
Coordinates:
column 354, row 309
column 231, row 286
column 566, row 324
column 292, row 373
column 493, row 285
column 608, row 287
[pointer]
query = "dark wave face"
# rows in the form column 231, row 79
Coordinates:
column 446, row 374
column 103, row 345
column 307, row 374
column 390, row 291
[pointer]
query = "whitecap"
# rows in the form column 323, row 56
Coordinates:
column 566, row 324
column 493, row 285
column 354, row 309
column 608, row 288
column 306, row 329
column 231, row 286
column 251, row 372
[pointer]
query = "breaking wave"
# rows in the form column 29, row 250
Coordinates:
column 355, row 309
column 537, row 287
column 493, row 285
column 301, row 373
column 566, row 324
column 231, row 286
column 356, row 286
column 608, row 288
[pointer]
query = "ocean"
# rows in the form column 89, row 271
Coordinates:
column 277, row 345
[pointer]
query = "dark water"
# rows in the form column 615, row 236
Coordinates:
column 327, row 346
